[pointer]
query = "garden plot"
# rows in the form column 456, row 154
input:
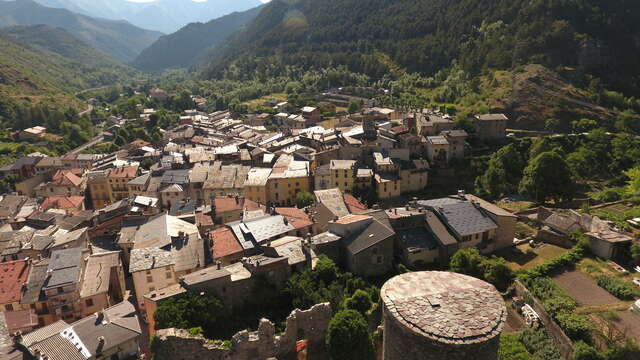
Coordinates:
column 584, row 289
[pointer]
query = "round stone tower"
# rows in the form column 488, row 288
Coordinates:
column 434, row 315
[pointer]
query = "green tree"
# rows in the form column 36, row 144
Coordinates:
column 348, row 337
column 547, row 177
column 188, row 310
column 503, row 172
column 360, row 301
column 512, row 349
column 633, row 185
column 583, row 125
column 467, row 261
column 584, row 351
column 354, row 106
column 498, row 273
column 304, row 199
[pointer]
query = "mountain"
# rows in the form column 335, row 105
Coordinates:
column 595, row 44
column 162, row 15
column 41, row 63
column 119, row 39
column 188, row 45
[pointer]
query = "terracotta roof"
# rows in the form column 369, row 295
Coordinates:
column 296, row 217
column 228, row 203
column 354, row 205
column 352, row 218
column 62, row 202
column 203, row 220
column 124, row 172
column 224, row 243
column 13, row 275
column 21, row 319
column 65, row 178
column 250, row 205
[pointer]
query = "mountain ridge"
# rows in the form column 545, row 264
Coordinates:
column 119, row 39
column 190, row 44
column 166, row 16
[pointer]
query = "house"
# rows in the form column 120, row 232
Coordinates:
column 62, row 284
column 457, row 140
column 387, row 186
column 35, row 132
column 119, row 178
column 49, row 165
column 32, row 295
column 225, row 248
column 329, row 206
column 63, row 183
column 112, row 333
column 165, row 248
column 311, row 114
column 438, row 150
column 227, row 209
column 103, row 283
column 71, row 204
column 256, row 185
column 491, row 126
column 362, row 243
column 99, row 189
column 609, row 245
column 13, row 276
column 301, row 221
column 343, row 174
column 23, row 168
column 414, row 175
column 288, row 177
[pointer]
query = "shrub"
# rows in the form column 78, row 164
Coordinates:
column 618, row 287
column 576, row 326
column 348, row 337
column 512, row 349
column 360, row 302
column 538, row 343
column 584, row 351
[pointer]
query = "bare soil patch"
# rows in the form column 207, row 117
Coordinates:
column 583, row 289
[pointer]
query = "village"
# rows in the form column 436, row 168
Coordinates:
column 92, row 244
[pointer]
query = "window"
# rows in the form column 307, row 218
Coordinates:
column 375, row 250
column 151, row 288
column 379, row 259
column 485, row 236
column 89, row 302
column 9, row 307
column 60, row 290
column 149, row 278
column 168, row 274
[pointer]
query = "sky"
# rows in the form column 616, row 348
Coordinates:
column 146, row 1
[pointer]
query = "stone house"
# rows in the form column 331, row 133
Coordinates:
column 491, row 126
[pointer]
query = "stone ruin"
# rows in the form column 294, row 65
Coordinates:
column 311, row 325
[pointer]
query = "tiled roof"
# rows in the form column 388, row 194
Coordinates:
column 354, row 205
column 97, row 273
column 64, row 267
column 228, row 203
column 62, row 202
column 297, row 217
column 333, row 200
column 373, row 234
column 65, row 178
column 13, row 275
column 38, row 335
column 124, row 172
column 224, row 243
column 33, row 286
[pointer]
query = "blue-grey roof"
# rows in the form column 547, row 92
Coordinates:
column 466, row 219
column 64, row 267
column 260, row 229
column 176, row 176
column 419, row 238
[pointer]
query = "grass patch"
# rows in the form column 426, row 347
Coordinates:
column 525, row 257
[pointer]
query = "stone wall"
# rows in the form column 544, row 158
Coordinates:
column 560, row 339
column 312, row 324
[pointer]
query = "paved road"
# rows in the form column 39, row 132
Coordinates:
column 95, row 141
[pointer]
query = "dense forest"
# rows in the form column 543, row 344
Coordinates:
column 598, row 38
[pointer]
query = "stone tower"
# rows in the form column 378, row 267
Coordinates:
column 436, row 315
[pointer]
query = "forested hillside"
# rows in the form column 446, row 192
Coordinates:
column 119, row 39
column 452, row 44
column 42, row 65
column 188, row 45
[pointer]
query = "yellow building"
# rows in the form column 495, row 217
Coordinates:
column 343, row 174
column 288, row 178
column 255, row 186
column 99, row 189
column 387, row 186
column 118, row 180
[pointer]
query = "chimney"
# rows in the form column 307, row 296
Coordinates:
column 461, row 193
column 218, row 265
